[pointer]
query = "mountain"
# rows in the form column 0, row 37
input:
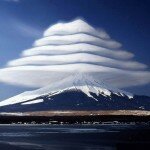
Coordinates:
column 78, row 92
column 74, row 64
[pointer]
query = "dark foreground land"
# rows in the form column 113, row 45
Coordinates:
column 73, row 119
column 75, row 137
column 76, row 117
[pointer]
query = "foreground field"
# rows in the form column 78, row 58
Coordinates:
column 81, row 113
column 90, row 113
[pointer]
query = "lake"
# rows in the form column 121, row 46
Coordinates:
column 74, row 137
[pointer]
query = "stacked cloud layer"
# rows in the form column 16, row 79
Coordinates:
column 75, row 47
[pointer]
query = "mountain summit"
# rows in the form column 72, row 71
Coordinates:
column 79, row 92
column 78, row 82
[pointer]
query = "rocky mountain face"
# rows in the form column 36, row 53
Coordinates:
column 82, row 93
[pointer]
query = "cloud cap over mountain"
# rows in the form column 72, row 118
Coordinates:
column 75, row 47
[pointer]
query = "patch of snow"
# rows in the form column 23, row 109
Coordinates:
column 130, row 96
column 141, row 107
column 33, row 102
column 11, row 114
column 18, row 99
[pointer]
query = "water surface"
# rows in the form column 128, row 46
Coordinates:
column 74, row 137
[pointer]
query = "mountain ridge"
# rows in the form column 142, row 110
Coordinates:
column 81, row 82
column 79, row 92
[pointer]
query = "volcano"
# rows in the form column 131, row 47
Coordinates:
column 82, row 93
column 76, row 67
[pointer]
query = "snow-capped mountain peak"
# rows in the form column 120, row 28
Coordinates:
column 88, row 85
column 78, row 82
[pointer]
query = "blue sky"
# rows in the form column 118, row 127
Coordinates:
column 23, row 21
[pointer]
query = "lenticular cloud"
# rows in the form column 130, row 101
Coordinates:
column 67, row 49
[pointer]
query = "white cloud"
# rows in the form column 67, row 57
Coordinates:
column 76, row 38
column 76, row 26
column 16, row 1
column 74, row 48
column 25, row 29
column 39, row 76
column 77, row 48
column 76, row 58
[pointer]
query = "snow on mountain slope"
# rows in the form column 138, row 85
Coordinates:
column 33, row 102
column 84, row 83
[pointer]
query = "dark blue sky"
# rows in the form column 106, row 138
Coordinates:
column 23, row 21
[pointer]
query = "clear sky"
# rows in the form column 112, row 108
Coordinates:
column 23, row 21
